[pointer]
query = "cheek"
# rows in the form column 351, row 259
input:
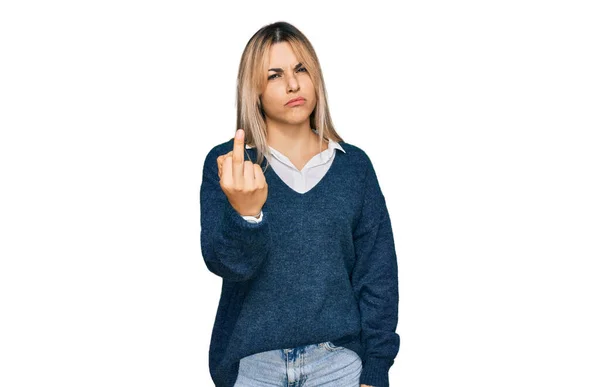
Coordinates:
column 272, row 100
column 309, row 90
column 267, row 97
column 308, row 83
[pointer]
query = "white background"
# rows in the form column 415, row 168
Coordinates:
column 481, row 118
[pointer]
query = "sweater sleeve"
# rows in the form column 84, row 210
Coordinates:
column 375, row 283
column 232, row 247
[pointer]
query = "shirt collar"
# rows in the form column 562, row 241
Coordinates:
column 332, row 145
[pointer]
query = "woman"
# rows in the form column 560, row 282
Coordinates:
column 304, row 246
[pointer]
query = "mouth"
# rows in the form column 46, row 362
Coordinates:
column 296, row 101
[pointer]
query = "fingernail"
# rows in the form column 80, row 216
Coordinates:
column 239, row 133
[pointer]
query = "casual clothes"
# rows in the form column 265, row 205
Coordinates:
column 320, row 266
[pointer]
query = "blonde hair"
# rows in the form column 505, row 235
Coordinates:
column 252, row 80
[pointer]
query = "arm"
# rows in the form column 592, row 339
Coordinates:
column 375, row 283
column 232, row 247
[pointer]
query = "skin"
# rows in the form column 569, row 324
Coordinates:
column 288, row 127
column 242, row 181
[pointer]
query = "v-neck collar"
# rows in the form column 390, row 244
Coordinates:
column 273, row 178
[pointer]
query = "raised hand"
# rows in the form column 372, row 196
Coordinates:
column 242, row 181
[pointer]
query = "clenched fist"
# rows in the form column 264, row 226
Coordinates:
column 242, row 181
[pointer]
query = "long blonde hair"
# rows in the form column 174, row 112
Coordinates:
column 252, row 79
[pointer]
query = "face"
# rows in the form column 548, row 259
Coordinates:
column 287, row 81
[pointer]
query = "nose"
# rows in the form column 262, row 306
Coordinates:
column 293, row 84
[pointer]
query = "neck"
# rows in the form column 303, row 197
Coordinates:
column 294, row 140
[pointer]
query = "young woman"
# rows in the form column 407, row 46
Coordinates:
column 299, row 232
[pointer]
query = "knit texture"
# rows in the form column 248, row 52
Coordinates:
column 320, row 266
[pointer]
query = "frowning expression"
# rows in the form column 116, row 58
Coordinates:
column 287, row 79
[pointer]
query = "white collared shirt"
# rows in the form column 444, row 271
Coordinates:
column 300, row 180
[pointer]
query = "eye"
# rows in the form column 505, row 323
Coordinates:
column 300, row 69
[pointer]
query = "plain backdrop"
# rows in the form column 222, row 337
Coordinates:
column 482, row 121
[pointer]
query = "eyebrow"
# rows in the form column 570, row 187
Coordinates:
column 280, row 70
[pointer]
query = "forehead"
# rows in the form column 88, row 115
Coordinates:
column 281, row 55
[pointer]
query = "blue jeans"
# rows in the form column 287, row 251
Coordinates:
column 312, row 365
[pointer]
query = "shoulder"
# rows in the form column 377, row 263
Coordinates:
column 218, row 150
column 362, row 165
column 358, row 156
column 221, row 148
column 210, row 166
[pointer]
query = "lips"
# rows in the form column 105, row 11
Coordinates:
column 294, row 100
